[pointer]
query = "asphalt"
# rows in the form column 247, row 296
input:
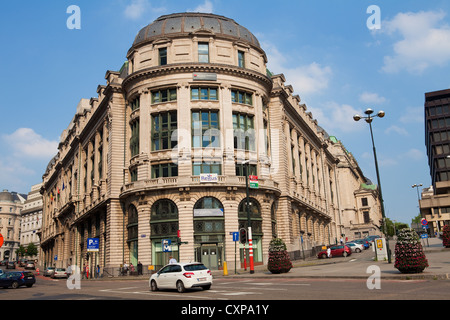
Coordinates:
column 357, row 265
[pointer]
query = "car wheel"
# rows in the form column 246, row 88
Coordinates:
column 207, row 287
column 15, row 285
column 29, row 285
column 153, row 286
column 180, row 287
column 324, row 256
column 345, row 254
column 358, row 250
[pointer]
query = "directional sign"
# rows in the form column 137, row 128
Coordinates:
column 253, row 182
column 235, row 236
column 93, row 244
column 1, row 240
column 424, row 236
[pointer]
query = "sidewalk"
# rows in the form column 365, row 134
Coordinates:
column 355, row 266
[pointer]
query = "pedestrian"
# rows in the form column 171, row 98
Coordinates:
column 139, row 266
column 69, row 270
column 84, row 271
column 172, row 260
column 125, row 268
column 329, row 252
column 131, row 269
column 98, row 272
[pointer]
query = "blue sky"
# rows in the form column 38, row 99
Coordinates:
column 324, row 48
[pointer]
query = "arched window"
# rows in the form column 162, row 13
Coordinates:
column 164, row 219
column 132, row 225
column 208, row 216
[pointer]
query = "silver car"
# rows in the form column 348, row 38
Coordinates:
column 49, row 271
column 59, row 273
column 356, row 247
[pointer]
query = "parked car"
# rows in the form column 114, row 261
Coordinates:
column 371, row 239
column 3, row 262
column 355, row 247
column 336, row 251
column 30, row 265
column 49, row 271
column 364, row 242
column 22, row 263
column 10, row 265
column 182, row 276
column 17, row 279
column 1, row 272
column 59, row 273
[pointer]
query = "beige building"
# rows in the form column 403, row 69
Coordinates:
column 164, row 150
column 10, row 205
column 31, row 219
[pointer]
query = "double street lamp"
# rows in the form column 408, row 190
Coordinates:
column 369, row 118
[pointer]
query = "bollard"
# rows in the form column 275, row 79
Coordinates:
column 225, row 268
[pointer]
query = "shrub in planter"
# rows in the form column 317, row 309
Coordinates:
column 446, row 236
column 409, row 255
column 279, row 261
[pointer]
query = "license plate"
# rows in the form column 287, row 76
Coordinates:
column 30, row 278
column 201, row 279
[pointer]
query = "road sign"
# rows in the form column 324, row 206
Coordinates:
column 424, row 222
column 93, row 244
column 425, row 226
column 1, row 240
column 253, row 182
column 167, row 245
column 424, row 236
column 235, row 236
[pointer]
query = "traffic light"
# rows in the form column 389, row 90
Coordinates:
column 178, row 237
column 243, row 236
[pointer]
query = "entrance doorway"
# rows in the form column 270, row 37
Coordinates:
column 210, row 256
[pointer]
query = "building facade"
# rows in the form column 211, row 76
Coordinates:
column 31, row 219
column 10, row 205
column 435, row 202
column 165, row 148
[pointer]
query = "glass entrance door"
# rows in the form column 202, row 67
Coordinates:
column 210, row 256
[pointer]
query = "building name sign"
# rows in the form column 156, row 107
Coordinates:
column 204, row 76
column 209, row 178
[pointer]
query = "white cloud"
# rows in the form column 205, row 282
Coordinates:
column 27, row 143
column 206, row 7
column 371, row 98
column 413, row 115
column 337, row 118
column 305, row 79
column 137, row 8
column 397, row 130
column 424, row 43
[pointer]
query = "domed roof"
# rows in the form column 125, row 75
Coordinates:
column 180, row 24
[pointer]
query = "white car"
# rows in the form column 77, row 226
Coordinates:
column 356, row 247
column 181, row 276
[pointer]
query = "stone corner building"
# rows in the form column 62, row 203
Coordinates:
column 165, row 147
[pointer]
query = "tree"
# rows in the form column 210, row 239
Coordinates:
column 409, row 255
column 32, row 250
column 279, row 261
column 446, row 236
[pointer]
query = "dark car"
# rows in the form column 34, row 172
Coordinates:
column 336, row 251
column 10, row 265
column 17, row 279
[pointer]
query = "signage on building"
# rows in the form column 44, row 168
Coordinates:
column 167, row 245
column 199, row 76
column 210, row 212
column 93, row 244
column 253, row 182
column 1, row 240
column 209, row 178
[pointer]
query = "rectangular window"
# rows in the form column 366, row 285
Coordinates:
column 364, row 202
column 203, row 52
column 162, row 56
column 241, row 170
column 163, row 128
column 204, row 94
column 134, row 140
column 241, row 97
column 165, row 95
column 205, row 129
column 241, row 59
column 164, row 170
column 135, row 104
column 243, row 131
column 206, row 167
column 134, row 175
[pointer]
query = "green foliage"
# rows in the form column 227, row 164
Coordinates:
column 279, row 261
column 409, row 255
column 446, row 236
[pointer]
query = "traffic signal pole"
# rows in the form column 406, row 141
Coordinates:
column 250, row 243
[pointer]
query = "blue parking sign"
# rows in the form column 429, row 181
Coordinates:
column 93, row 244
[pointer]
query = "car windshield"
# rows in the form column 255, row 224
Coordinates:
column 195, row 267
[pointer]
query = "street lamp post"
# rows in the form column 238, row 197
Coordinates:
column 249, row 233
column 369, row 118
